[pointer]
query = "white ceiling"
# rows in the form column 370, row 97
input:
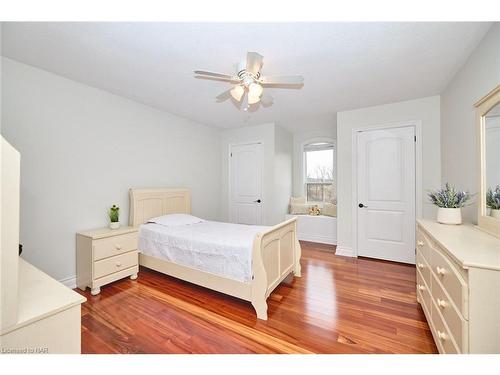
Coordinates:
column 345, row 65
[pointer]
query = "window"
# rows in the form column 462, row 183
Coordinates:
column 318, row 160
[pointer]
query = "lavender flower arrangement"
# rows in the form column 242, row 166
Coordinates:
column 493, row 198
column 449, row 197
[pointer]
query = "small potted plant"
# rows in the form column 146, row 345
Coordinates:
column 114, row 217
column 493, row 201
column 450, row 203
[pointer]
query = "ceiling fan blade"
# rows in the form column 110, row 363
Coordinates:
column 254, row 62
column 216, row 76
column 213, row 74
column 282, row 80
column 224, row 96
column 266, row 99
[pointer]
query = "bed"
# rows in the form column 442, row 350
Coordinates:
column 247, row 262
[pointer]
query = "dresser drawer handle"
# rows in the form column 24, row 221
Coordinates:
column 420, row 287
column 442, row 303
column 420, row 265
column 420, row 243
column 118, row 264
column 442, row 336
column 118, row 247
column 440, row 271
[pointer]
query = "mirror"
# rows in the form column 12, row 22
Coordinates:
column 492, row 161
column 488, row 119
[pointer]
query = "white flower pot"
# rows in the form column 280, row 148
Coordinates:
column 495, row 213
column 114, row 225
column 449, row 215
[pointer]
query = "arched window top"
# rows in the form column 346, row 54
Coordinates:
column 317, row 146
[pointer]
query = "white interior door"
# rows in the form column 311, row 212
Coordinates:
column 246, row 184
column 386, row 194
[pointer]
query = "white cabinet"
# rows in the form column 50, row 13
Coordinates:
column 37, row 313
column 458, row 283
column 105, row 255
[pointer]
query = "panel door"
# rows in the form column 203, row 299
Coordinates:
column 246, row 184
column 386, row 194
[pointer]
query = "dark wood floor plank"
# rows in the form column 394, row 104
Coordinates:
column 339, row 305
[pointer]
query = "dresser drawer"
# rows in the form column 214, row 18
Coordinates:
column 424, row 245
column 423, row 293
column 107, row 247
column 451, row 279
column 442, row 336
column 457, row 325
column 114, row 264
column 423, row 268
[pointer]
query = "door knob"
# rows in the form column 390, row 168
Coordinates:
column 361, row 205
column 257, row 201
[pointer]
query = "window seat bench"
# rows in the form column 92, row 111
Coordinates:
column 321, row 229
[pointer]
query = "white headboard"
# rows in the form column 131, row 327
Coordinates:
column 148, row 203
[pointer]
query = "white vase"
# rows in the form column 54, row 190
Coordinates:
column 495, row 213
column 114, row 225
column 449, row 215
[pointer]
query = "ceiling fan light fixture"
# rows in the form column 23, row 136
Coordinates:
column 255, row 90
column 237, row 92
column 253, row 99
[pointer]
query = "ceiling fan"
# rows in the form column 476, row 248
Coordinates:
column 248, row 80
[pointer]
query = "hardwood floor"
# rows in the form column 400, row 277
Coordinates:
column 339, row 305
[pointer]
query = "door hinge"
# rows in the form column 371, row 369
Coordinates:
column 231, row 154
column 415, row 138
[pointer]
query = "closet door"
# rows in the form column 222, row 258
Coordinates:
column 246, row 183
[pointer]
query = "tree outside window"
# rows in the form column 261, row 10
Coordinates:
column 318, row 158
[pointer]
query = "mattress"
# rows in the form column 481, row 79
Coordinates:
column 223, row 249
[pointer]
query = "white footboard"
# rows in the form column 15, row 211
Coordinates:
column 276, row 254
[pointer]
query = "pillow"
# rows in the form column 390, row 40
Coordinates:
column 299, row 209
column 175, row 220
column 329, row 209
column 297, row 200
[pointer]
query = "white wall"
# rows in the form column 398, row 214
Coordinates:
column 479, row 75
column 425, row 110
column 274, row 208
column 83, row 148
column 283, row 170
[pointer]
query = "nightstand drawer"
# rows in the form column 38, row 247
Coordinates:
column 114, row 264
column 111, row 246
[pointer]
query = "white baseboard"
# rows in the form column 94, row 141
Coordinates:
column 70, row 282
column 316, row 238
column 345, row 252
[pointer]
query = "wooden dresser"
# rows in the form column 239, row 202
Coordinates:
column 458, row 286
column 48, row 316
column 105, row 255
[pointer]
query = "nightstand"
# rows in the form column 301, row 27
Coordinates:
column 105, row 255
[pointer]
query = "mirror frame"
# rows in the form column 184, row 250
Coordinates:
column 483, row 106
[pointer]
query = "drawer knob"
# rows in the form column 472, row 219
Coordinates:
column 118, row 247
column 441, row 303
column 420, row 243
column 442, row 336
column 118, row 264
column 420, row 265
column 440, row 271
column 421, row 287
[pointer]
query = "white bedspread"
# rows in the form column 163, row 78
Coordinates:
column 223, row 249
